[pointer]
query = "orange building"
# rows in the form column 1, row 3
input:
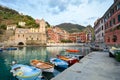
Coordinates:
column 53, row 37
column 78, row 37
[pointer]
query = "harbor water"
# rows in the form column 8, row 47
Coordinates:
column 23, row 55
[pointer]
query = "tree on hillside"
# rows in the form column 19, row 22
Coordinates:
column 48, row 25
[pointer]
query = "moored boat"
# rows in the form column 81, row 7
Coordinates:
column 69, row 60
column 44, row 66
column 1, row 49
column 25, row 72
column 72, row 50
column 77, row 56
column 59, row 63
column 113, row 50
column 10, row 48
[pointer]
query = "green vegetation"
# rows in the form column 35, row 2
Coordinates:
column 66, row 41
column 3, row 26
column 71, row 27
column 77, row 28
column 9, row 17
column 48, row 25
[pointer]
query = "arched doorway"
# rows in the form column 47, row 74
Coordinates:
column 20, row 43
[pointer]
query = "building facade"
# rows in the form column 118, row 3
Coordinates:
column 112, row 24
column 78, row 37
column 55, row 35
column 33, row 36
column 99, row 30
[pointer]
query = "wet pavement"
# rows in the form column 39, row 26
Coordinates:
column 94, row 66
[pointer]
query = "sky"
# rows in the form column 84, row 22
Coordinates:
column 83, row 12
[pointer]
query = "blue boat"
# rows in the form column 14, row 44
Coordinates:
column 1, row 49
column 11, row 48
column 59, row 63
column 24, row 72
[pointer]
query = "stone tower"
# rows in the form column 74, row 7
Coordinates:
column 42, row 29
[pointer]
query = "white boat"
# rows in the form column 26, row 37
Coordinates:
column 24, row 72
column 77, row 56
column 44, row 66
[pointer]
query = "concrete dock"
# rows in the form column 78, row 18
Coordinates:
column 94, row 66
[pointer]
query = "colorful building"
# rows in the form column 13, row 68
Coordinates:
column 78, row 37
column 99, row 30
column 55, row 35
column 112, row 24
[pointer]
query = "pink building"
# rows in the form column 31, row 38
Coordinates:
column 78, row 37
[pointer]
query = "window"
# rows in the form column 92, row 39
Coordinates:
column 115, row 8
column 114, row 38
column 112, row 12
column 118, row 6
column 102, row 35
column 118, row 18
column 114, row 21
column 102, row 27
column 108, row 40
column 110, row 23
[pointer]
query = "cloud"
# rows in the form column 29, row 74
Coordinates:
column 8, row 1
column 57, row 6
column 91, row 18
column 98, row 1
column 82, row 12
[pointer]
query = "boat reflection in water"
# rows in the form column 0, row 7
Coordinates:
column 26, row 54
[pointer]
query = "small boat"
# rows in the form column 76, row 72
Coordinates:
column 77, row 56
column 59, row 63
column 44, row 66
column 113, row 50
column 10, row 48
column 1, row 49
column 24, row 72
column 72, row 50
column 69, row 60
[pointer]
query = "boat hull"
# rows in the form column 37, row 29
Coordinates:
column 112, row 51
column 70, row 50
column 70, row 61
column 44, row 66
column 59, row 63
column 24, row 72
